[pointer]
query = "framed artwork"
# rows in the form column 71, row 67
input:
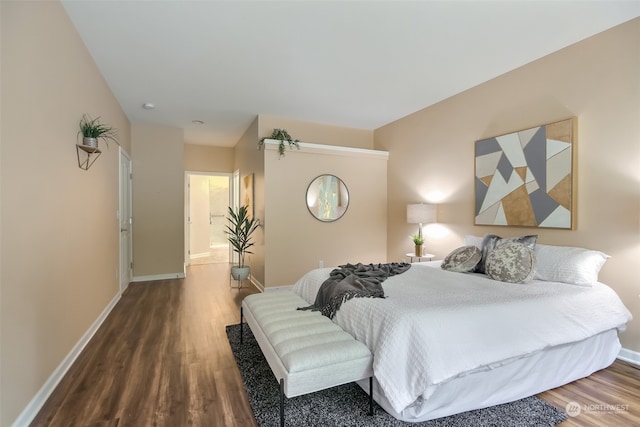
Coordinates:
column 527, row 178
column 247, row 192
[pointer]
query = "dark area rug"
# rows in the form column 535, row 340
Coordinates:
column 348, row 405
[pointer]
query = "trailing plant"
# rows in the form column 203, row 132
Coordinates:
column 283, row 136
column 240, row 230
column 92, row 128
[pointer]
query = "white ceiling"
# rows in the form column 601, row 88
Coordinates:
column 355, row 64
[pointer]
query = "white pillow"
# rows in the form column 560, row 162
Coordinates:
column 576, row 266
column 476, row 241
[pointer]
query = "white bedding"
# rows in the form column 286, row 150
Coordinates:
column 436, row 326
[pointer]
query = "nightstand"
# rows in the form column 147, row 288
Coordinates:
column 428, row 257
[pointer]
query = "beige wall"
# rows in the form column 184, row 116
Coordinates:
column 595, row 80
column 158, row 201
column 248, row 160
column 283, row 183
column 205, row 158
column 295, row 240
column 59, row 227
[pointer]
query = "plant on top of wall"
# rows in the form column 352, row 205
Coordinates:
column 92, row 131
column 281, row 135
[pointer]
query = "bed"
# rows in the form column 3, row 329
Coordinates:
column 446, row 342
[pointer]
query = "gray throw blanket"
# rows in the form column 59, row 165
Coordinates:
column 350, row 281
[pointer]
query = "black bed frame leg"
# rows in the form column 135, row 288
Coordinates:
column 371, row 396
column 281, row 402
column 241, row 316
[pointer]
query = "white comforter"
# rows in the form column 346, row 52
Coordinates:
column 436, row 325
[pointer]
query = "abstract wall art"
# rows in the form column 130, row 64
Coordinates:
column 527, row 178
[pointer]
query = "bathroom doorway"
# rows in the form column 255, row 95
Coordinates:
column 208, row 199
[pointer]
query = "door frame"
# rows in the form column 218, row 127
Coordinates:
column 125, row 266
column 187, row 210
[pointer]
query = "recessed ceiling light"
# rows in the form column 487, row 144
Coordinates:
column 197, row 122
column 148, row 106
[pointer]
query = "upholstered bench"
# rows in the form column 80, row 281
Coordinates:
column 306, row 351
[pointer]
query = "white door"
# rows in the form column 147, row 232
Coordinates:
column 235, row 203
column 199, row 217
column 125, row 221
column 219, row 193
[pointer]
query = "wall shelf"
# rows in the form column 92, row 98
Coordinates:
column 308, row 147
column 87, row 155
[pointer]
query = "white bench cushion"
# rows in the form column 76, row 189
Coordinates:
column 305, row 348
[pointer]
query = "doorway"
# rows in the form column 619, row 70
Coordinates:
column 208, row 197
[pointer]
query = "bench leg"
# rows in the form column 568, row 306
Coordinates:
column 371, row 396
column 281, row 402
column 241, row 315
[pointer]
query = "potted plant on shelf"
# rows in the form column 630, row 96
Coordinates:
column 281, row 135
column 92, row 131
column 240, row 230
column 418, row 240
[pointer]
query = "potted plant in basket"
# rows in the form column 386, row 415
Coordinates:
column 92, row 131
column 240, row 230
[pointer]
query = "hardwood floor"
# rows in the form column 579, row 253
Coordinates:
column 162, row 358
column 610, row 397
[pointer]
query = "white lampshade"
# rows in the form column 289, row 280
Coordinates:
column 421, row 213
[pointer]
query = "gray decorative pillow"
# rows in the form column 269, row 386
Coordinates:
column 488, row 244
column 491, row 241
column 462, row 260
column 529, row 241
column 511, row 262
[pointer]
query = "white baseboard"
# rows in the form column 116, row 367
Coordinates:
column 29, row 413
column 256, row 283
column 158, row 277
column 629, row 356
column 200, row 255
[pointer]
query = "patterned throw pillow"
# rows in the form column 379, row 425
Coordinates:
column 462, row 260
column 511, row 262
column 491, row 241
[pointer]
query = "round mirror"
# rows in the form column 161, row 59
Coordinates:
column 327, row 198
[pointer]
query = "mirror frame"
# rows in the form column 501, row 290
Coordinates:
column 310, row 206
